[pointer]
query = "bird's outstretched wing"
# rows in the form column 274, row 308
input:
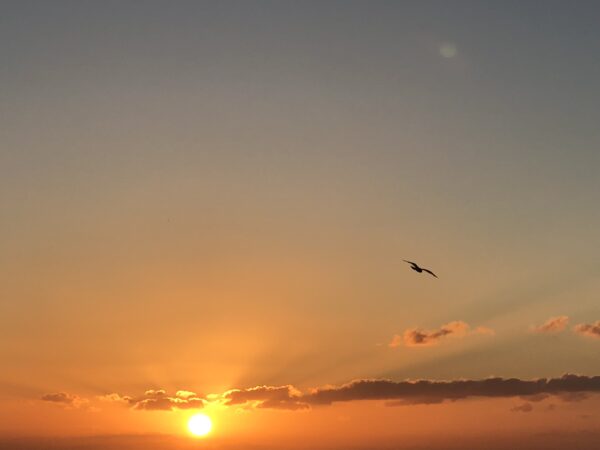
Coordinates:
column 410, row 262
column 430, row 272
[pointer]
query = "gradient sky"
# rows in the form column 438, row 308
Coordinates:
column 218, row 195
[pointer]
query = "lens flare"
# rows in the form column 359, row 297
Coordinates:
column 448, row 50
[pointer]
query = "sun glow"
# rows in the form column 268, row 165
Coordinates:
column 199, row 424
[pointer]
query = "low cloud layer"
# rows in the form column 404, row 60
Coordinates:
column 159, row 400
column 424, row 391
column 417, row 337
column 273, row 397
column 552, row 325
column 568, row 388
column 396, row 393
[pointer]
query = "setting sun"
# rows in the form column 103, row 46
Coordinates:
column 199, row 424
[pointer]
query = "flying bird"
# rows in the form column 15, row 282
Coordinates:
column 414, row 266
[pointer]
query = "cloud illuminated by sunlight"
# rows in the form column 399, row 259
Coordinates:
column 552, row 325
column 417, row 337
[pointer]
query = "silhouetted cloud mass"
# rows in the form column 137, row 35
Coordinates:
column 552, row 325
column 60, row 397
column 568, row 388
column 424, row 391
column 64, row 399
column 273, row 397
column 415, row 337
column 159, row 400
column 588, row 329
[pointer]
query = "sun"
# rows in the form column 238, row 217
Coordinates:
column 199, row 424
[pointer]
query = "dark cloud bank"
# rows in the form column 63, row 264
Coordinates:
column 424, row 391
column 395, row 393
column 416, row 392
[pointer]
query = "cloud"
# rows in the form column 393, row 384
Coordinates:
column 588, row 329
column 273, row 397
column 416, row 337
column 572, row 397
column 114, row 398
column 159, row 400
column 535, row 397
column 64, row 399
column 59, row 397
column 185, row 394
column 568, row 388
column 415, row 401
column 559, row 324
column 525, row 407
column 552, row 325
column 427, row 392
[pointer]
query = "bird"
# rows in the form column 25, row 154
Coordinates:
column 414, row 266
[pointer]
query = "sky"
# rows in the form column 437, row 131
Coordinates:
column 206, row 207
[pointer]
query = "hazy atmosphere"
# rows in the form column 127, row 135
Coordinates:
column 207, row 208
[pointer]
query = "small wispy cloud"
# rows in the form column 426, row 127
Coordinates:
column 114, row 397
column 573, row 397
column 418, row 337
column 552, row 325
column 65, row 399
column 525, row 407
column 588, row 329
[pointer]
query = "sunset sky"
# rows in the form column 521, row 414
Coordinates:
column 205, row 207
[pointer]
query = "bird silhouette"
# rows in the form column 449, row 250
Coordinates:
column 414, row 266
